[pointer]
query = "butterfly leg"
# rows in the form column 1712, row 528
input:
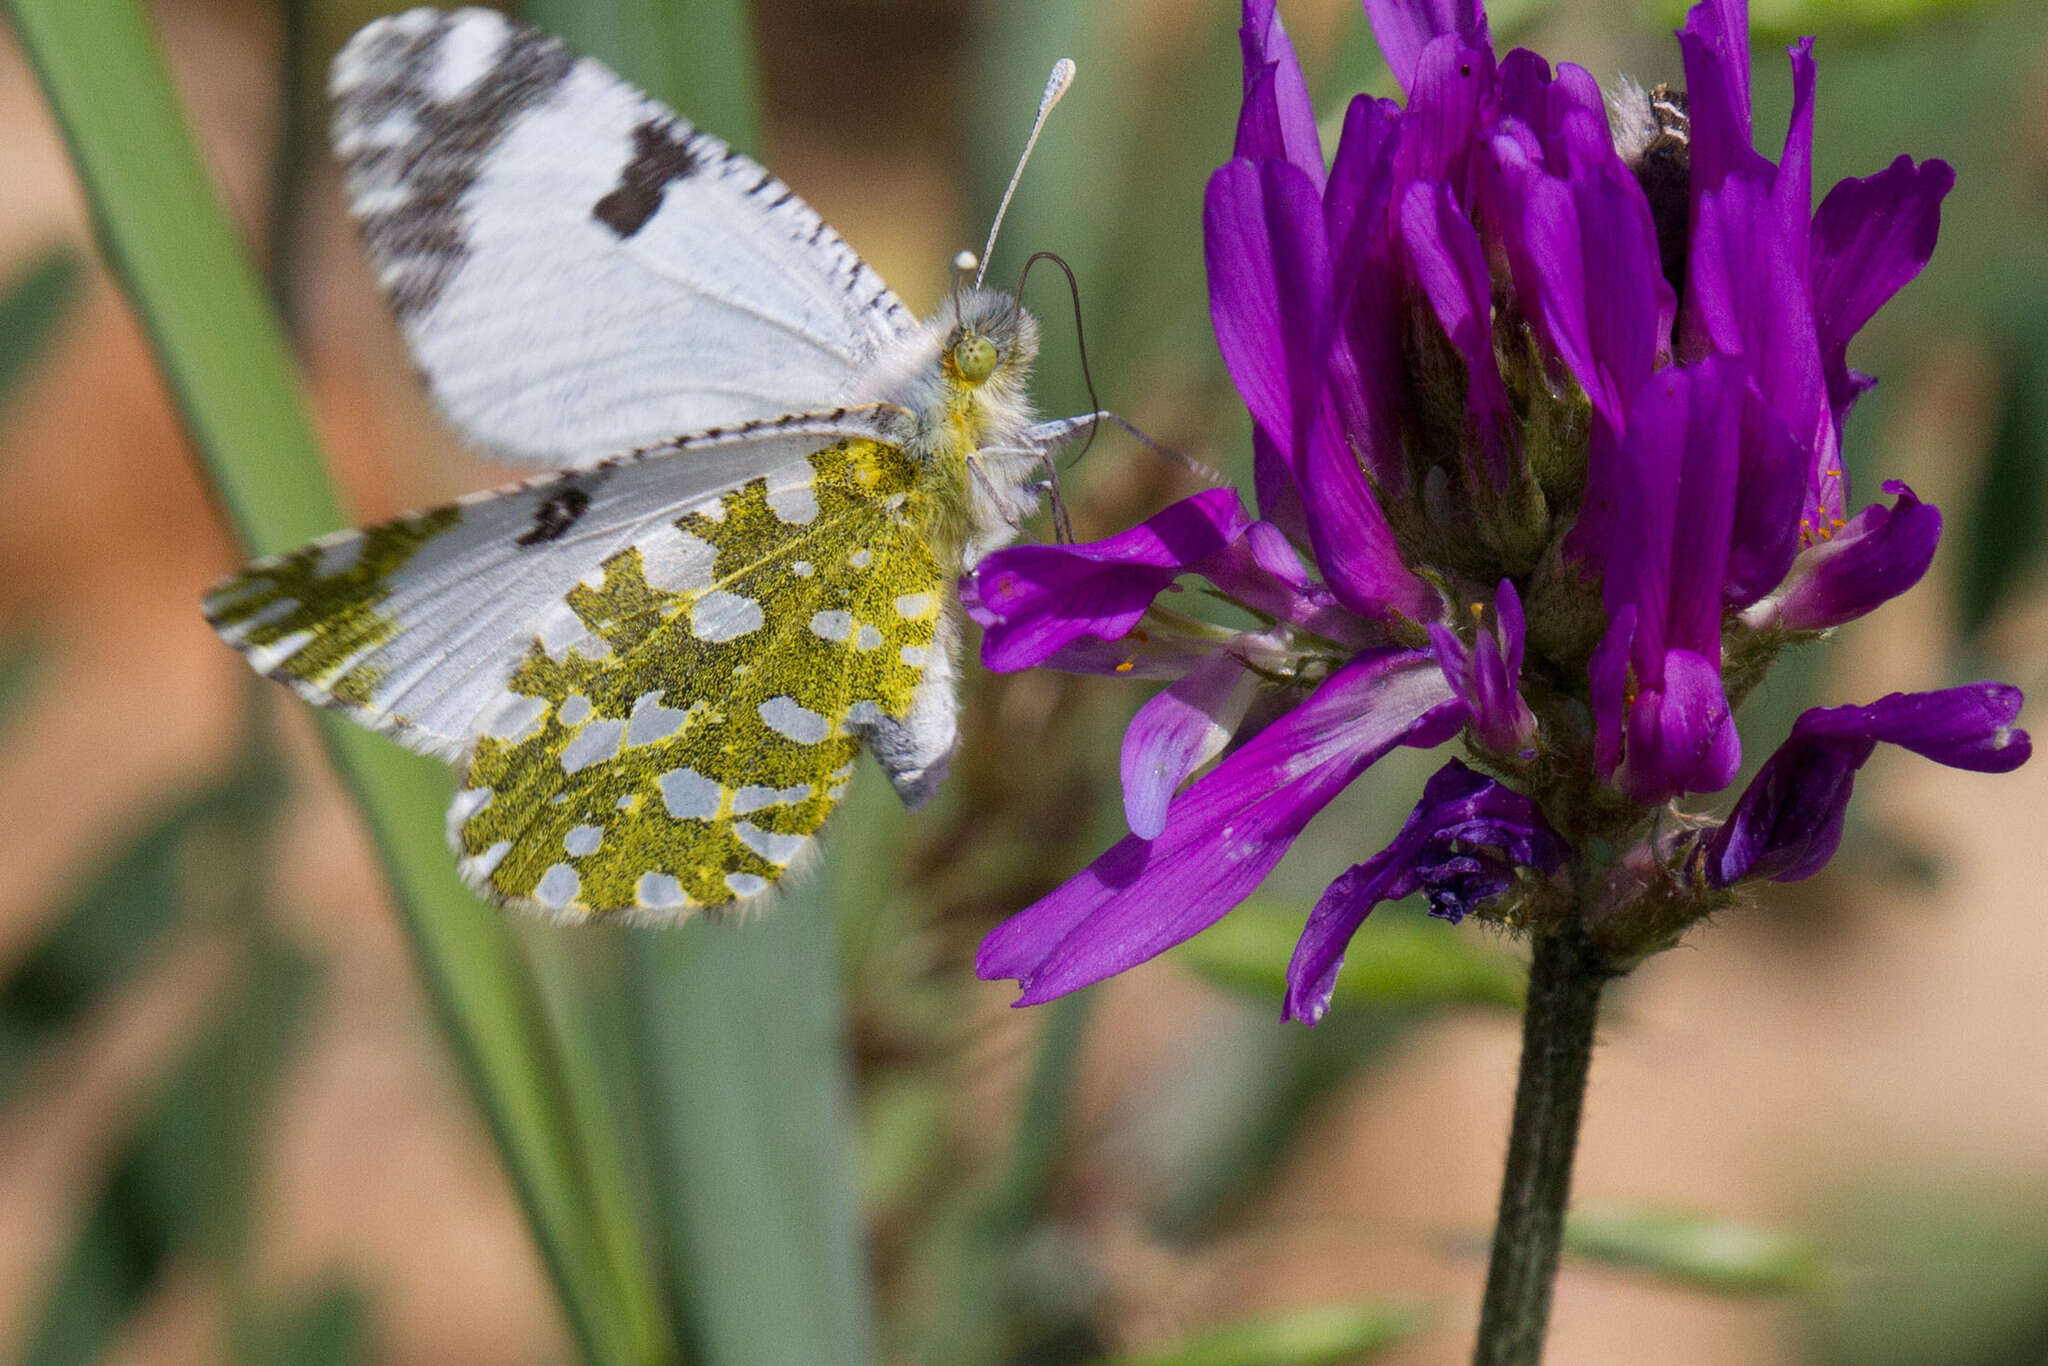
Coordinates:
column 1050, row 436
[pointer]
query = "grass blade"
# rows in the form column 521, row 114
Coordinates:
column 163, row 231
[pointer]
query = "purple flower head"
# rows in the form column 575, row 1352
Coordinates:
column 1547, row 390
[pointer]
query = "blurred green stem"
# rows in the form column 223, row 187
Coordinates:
column 1565, row 980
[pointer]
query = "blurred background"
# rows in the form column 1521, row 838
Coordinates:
column 231, row 1129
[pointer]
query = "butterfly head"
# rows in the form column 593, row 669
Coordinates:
column 991, row 342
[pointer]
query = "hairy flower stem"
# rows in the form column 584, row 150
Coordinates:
column 1565, row 978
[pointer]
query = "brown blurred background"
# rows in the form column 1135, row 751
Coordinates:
column 1864, row 1058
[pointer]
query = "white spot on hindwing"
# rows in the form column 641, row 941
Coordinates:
column 486, row 863
column 868, row 639
column 777, row 849
column 575, row 710
column 835, row 625
column 689, row 795
column 803, row 569
column 651, row 721
column 660, row 892
column 584, row 839
column 797, row 506
column 862, row 558
column 677, row 562
column 912, row 605
column 794, row 721
column 558, row 886
column 755, row 797
column 596, row 742
column 744, row 885
column 720, row 616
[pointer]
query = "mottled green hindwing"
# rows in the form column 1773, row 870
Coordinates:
column 687, row 718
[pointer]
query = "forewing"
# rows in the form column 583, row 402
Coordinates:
column 677, row 741
column 579, row 271
column 415, row 626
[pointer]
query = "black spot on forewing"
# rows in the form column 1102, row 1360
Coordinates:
column 563, row 507
column 436, row 148
column 660, row 156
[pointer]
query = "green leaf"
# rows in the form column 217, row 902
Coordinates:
column 1398, row 959
column 186, row 1177
column 1698, row 1250
column 1321, row 1336
column 32, row 304
column 163, row 231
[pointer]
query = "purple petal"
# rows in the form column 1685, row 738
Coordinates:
column 1788, row 822
column 1746, row 285
column 1500, row 717
column 1179, row 730
column 1404, row 28
column 1225, row 832
column 1675, row 510
column 1269, row 291
column 1681, row 736
column 1354, row 546
column 1770, row 490
column 1718, row 31
column 1275, row 487
column 1263, row 571
column 1507, row 608
column 1880, row 554
column 1278, row 120
column 1582, row 247
column 1792, row 193
column 1361, row 184
column 1487, row 675
column 1366, row 361
column 1033, row 600
column 1447, row 107
column 1463, row 841
column 1870, row 237
column 1448, row 262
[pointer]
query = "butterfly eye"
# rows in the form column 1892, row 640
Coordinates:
column 975, row 358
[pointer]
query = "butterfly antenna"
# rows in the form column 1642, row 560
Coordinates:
column 1055, row 86
column 1080, row 340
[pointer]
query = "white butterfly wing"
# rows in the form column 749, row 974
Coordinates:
column 578, row 270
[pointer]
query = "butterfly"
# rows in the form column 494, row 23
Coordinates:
column 656, row 661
